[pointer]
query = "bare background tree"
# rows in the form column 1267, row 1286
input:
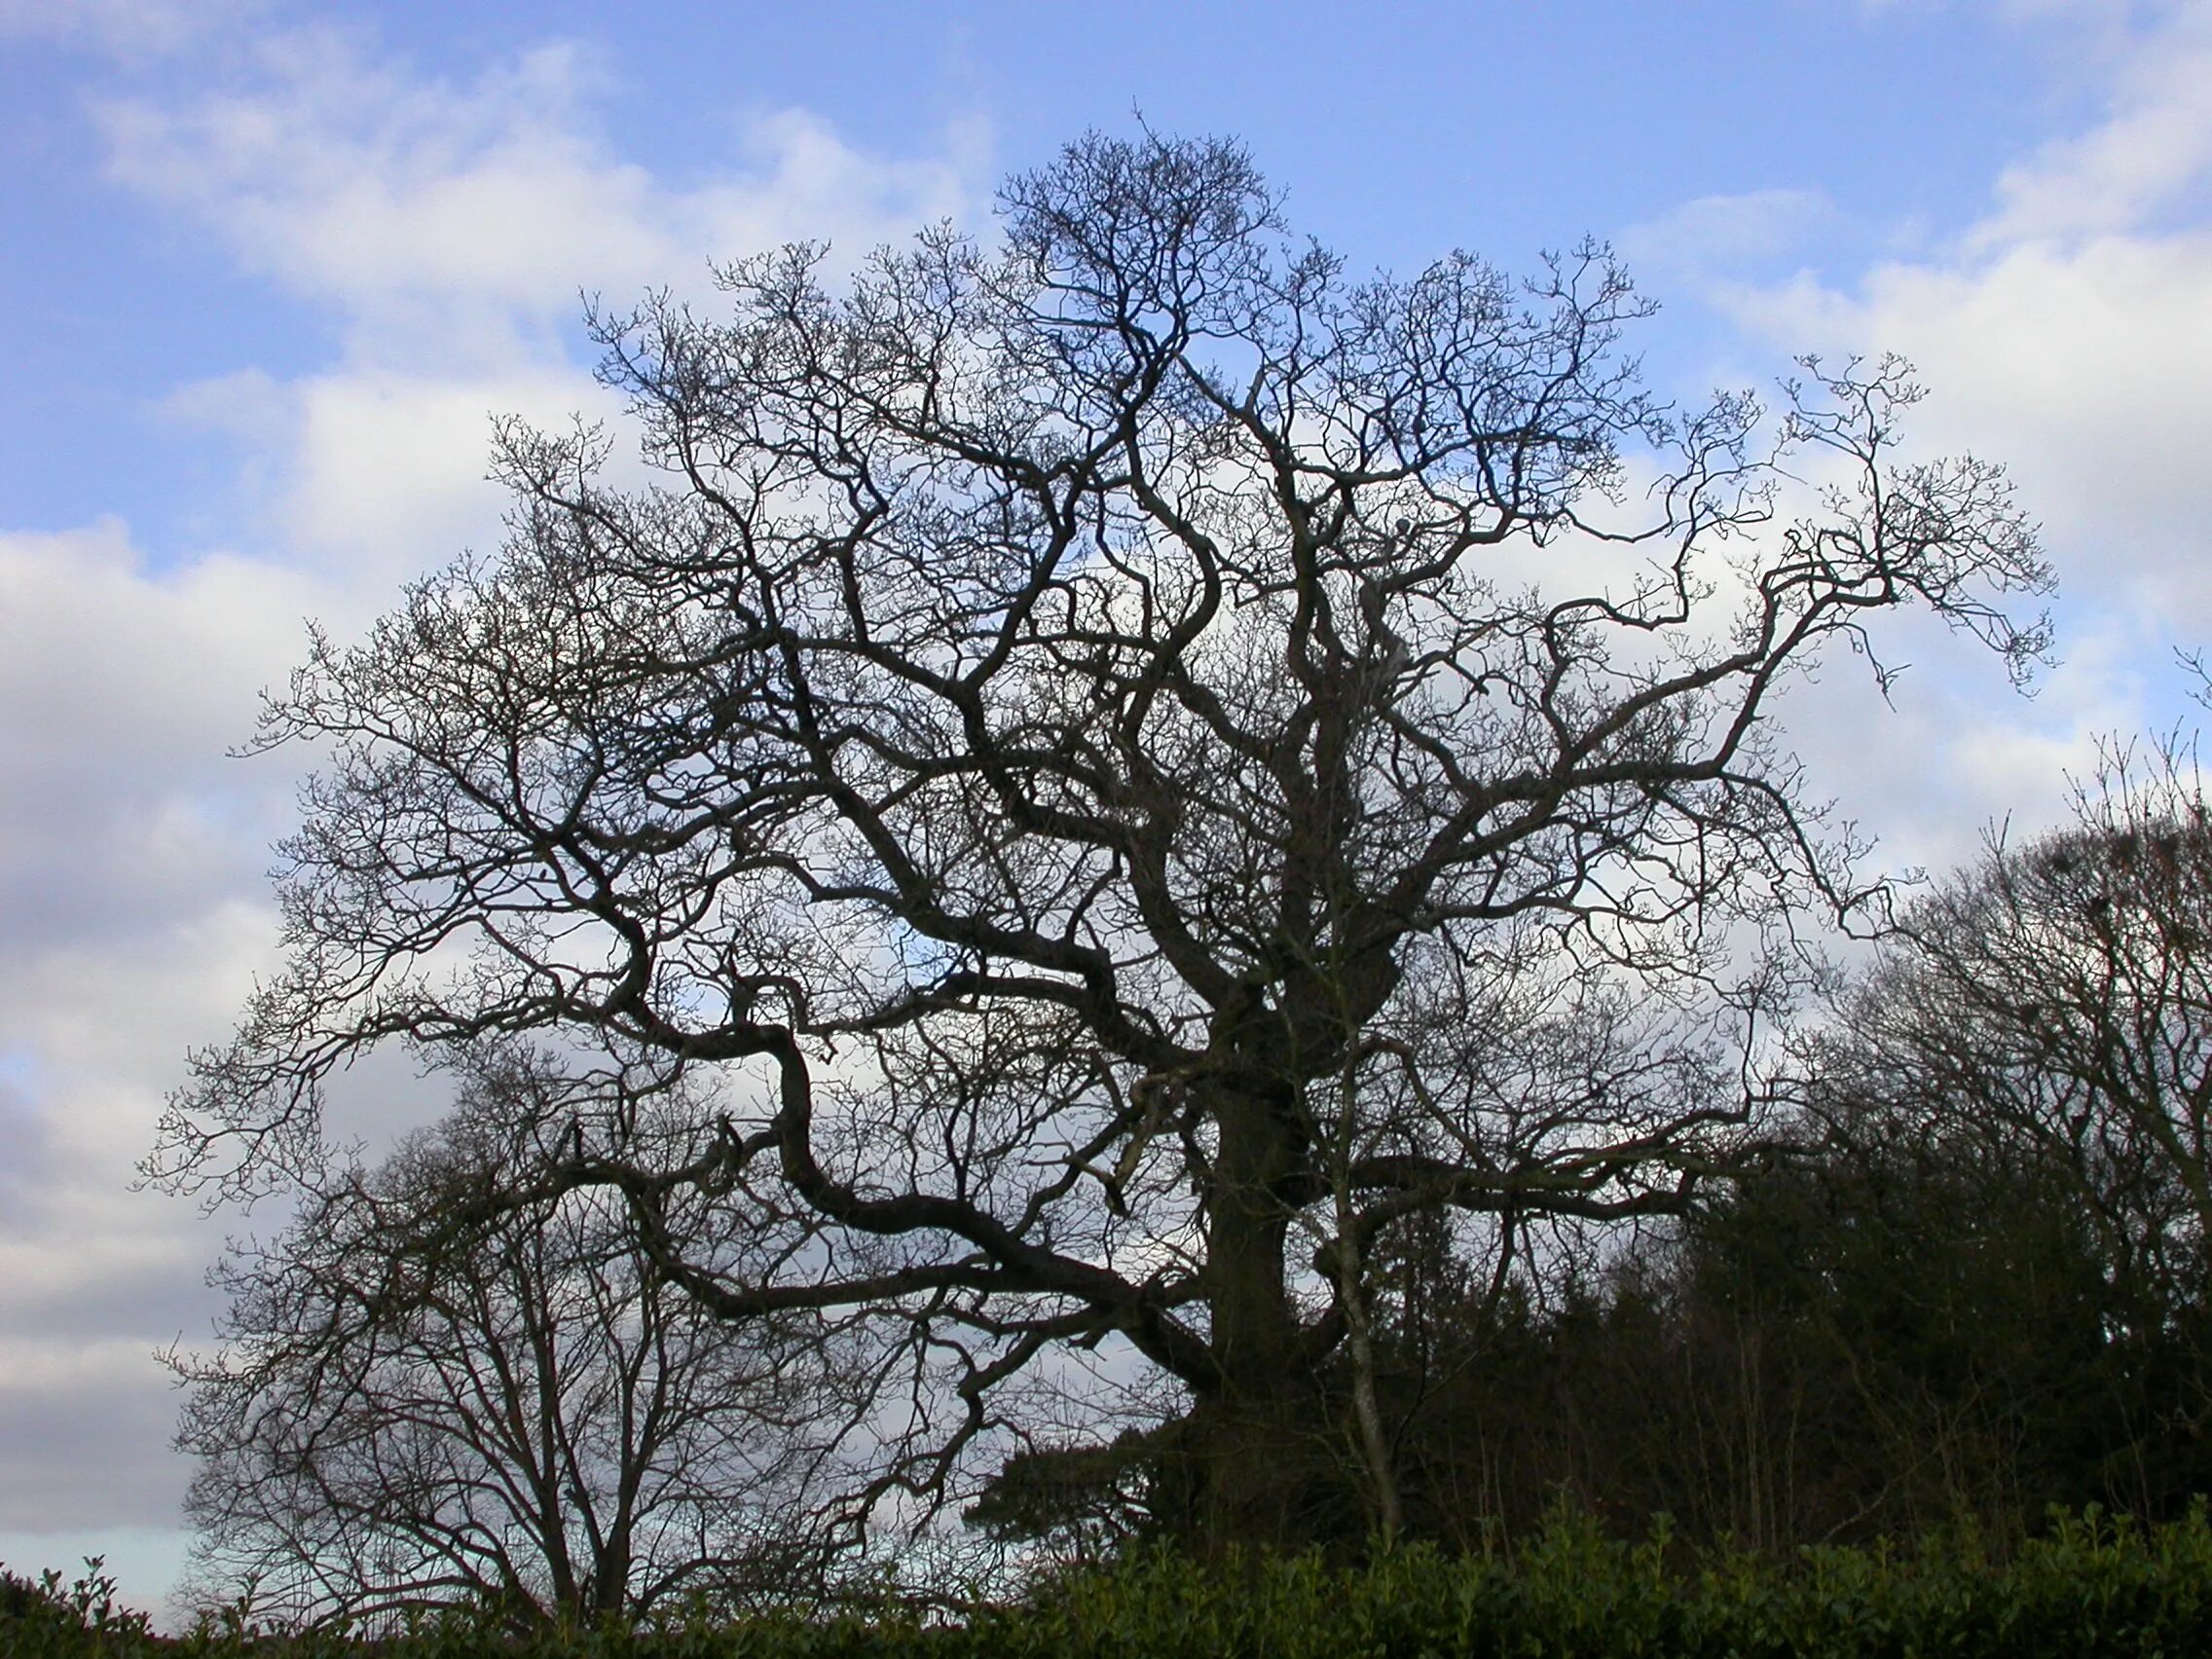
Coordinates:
column 432, row 1393
column 1144, row 764
column 2057, row 997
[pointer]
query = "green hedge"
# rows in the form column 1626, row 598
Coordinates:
column 2091, row 1586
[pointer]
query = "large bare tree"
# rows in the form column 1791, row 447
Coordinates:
column 1150, row 759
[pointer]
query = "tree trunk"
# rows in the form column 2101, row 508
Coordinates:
column 1252, row 1441
column 611, row 1576
column 1374, row 1452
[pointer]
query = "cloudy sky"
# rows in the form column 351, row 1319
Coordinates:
column 268, row 269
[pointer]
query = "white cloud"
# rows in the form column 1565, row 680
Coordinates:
column 120, row 691
column 2153, row 144
column 130, row 853
column 369, row 474
column 349, row 181
column 2088, row 371
column 2067, row 334
column 1954, row 755
column 455, row 223
column 449, row 228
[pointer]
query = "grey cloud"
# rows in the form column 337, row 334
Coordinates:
column 89, row 1450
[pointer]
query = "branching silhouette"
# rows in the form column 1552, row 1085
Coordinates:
column 1143, row 761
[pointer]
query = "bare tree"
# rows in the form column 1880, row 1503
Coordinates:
column 2055, row 1001
column 1071, row 704
column 431, row 1394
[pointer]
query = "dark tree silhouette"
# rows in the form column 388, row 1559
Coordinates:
column 429, row 1394
column 2054, row 1000
column 1150, row 759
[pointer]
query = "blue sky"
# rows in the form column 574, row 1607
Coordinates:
column 1418, row 126
column 266, row 269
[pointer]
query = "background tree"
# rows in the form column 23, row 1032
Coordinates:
column 431, row 1394
column 1070, row 706
column 1975, row 1285
column 1875, row 1341
column 2058, row 995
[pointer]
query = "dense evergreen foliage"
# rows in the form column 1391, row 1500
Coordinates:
column 2089, row 1588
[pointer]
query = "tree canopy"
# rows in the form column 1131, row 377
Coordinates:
column 1126, row 764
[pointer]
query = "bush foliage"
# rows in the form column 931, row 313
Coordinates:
column 2089, row 1585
